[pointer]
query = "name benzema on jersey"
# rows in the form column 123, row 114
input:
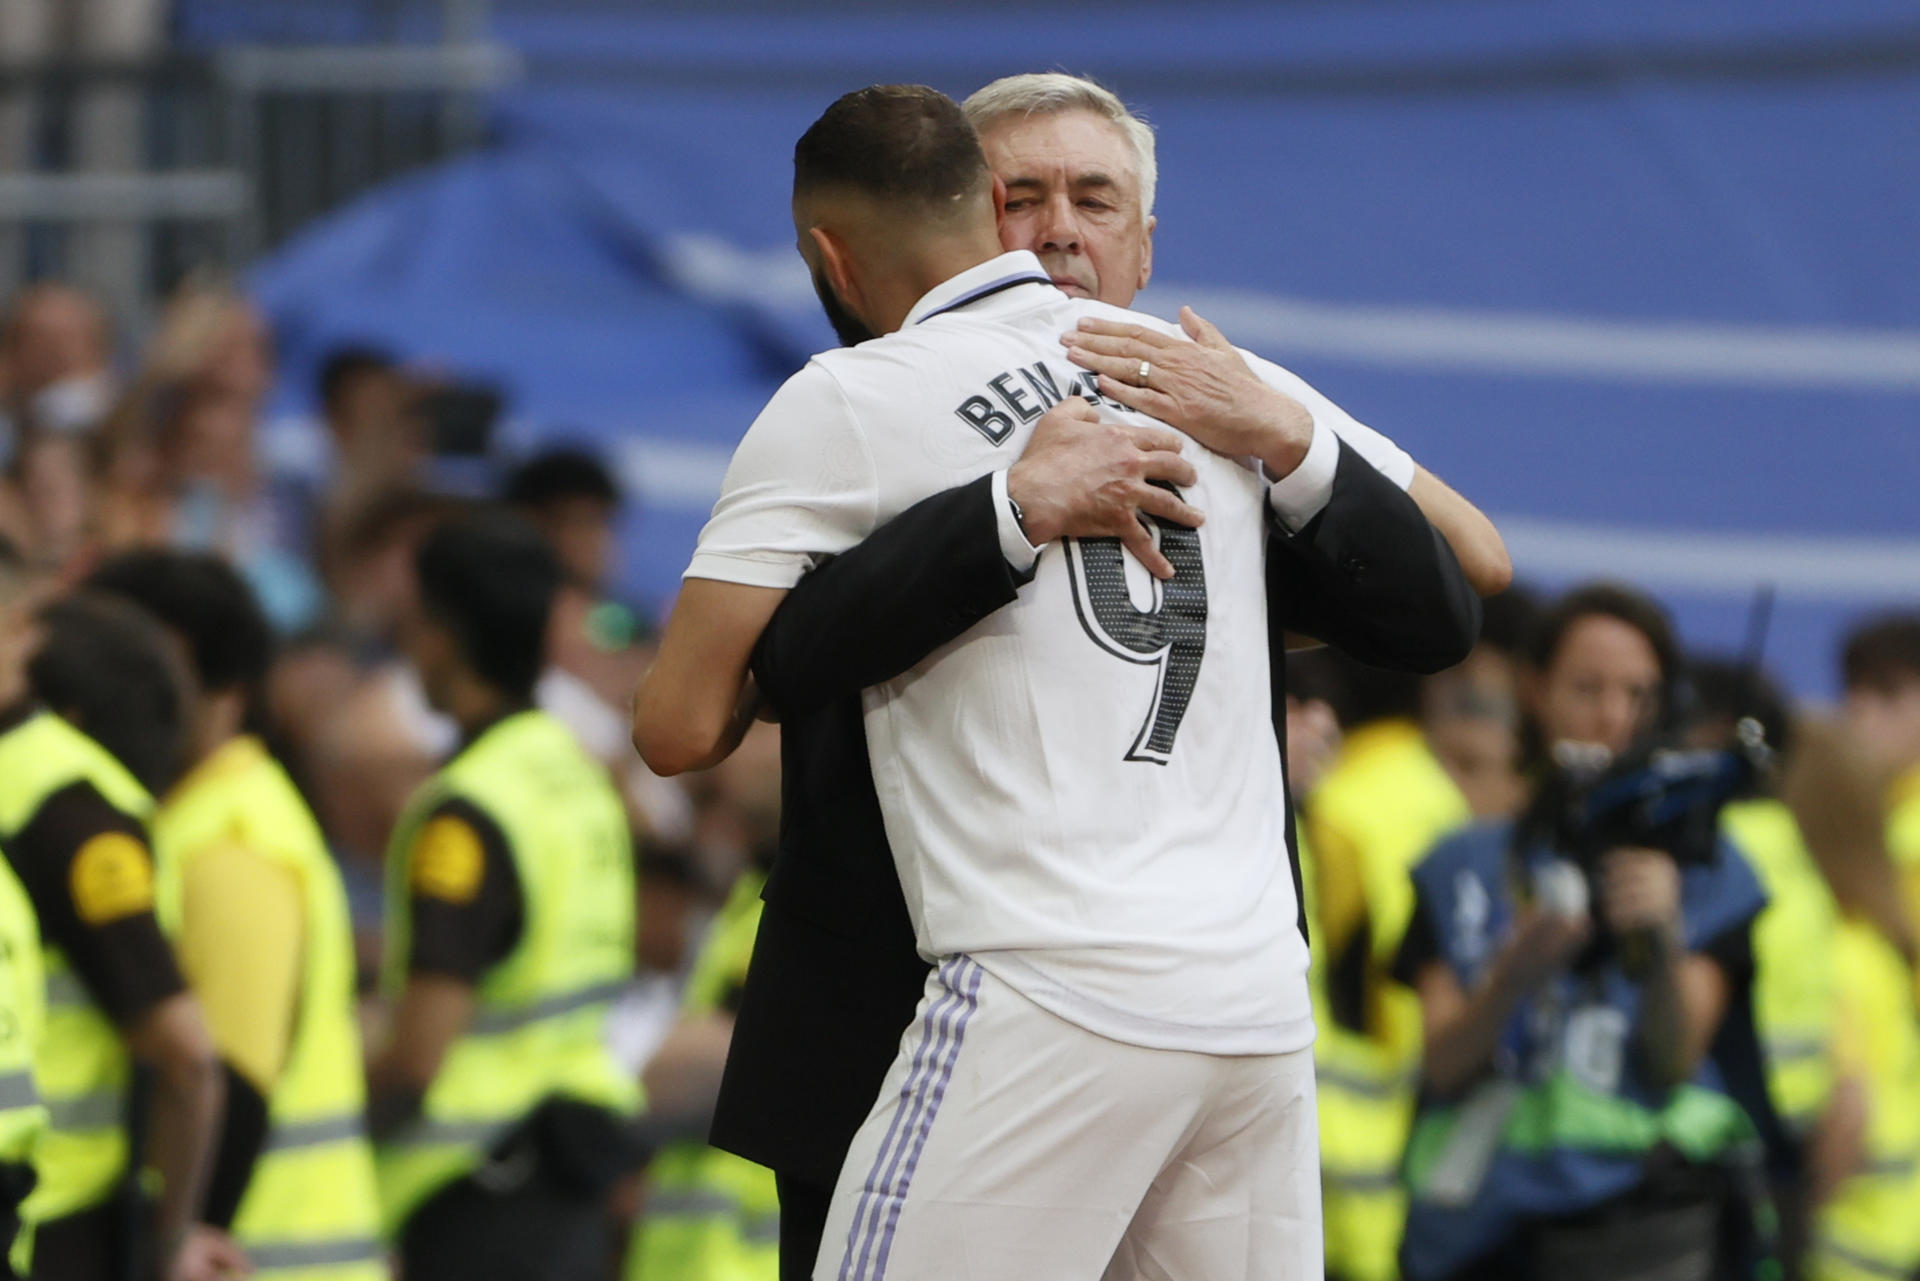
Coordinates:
column 1021, row 395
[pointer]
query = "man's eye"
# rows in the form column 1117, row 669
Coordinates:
column 1093, row 204
column 1014, row 206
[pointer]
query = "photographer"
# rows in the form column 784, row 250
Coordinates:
column 1570, row 1125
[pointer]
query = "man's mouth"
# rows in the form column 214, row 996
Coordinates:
column 1067, row 284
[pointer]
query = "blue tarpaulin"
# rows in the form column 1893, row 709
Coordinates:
column 1639, row 278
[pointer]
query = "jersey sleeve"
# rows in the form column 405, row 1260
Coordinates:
column 1387, row 458
column 802, row 485
column 463, row 894
column 89, row 871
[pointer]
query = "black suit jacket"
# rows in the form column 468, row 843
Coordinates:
column 835, row 977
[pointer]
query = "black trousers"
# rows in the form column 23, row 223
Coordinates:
column 89, row 1246
column 533, row 1232
column 803, row 1221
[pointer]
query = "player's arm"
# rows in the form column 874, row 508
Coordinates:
column 1232, row 402
column 696, row 702
column 932, row 572
column 465, row 911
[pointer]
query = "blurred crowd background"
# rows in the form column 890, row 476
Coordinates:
column 293, row 282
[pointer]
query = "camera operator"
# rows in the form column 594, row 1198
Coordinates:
column 1570, row 1125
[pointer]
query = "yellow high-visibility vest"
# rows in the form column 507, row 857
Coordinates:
column 1381, row 806
column 711, row 1215
column 538, row 1029
column 1870, row 1229
column 23, row 1018
column 1793, row 1002
column 311, row 1211
column 82, row 1066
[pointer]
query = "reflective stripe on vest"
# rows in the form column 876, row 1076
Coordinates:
column 17, row 1090
column 1865, row 1263
column 269, row 1256
column 499, row 1021
column 313, row 1134
column 102, row 1110
column 1389, row 1086
column 65, row 991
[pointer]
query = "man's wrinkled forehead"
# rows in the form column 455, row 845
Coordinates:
column 1031, row 150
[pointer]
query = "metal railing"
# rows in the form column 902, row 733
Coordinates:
column 241, row 147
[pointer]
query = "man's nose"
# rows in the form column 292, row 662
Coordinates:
column 1060, row 229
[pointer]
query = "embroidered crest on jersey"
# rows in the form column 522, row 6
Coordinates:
column 448, row 862
column 111, row 878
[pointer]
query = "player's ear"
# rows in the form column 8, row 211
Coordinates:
column 1146, row 257
column 999, row 201
column 838, row 265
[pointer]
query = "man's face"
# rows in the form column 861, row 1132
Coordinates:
column 1885, row 720
column 1073, row 198
column 1603, row 686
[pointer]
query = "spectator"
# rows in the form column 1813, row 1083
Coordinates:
column 1541, row 1015
column 1881, row 668
column 54, row 490
column 1470, row 713
column 572, row 497
column 57, row 348
column 377, row 438
column 185, row 438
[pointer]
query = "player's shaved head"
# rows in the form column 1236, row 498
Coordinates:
column 891, row 195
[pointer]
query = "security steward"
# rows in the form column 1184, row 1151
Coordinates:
column 1796, row 998
column 74, row 805
column 258, row 912
column 711, row 1215
column 1865, row 1174
column 499, row 1114
column 1383, row 804
column 23, row 1001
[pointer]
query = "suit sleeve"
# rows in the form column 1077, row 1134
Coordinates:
column 1371, row 577
column 872, row 612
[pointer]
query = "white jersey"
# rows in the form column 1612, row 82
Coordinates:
column 1083, row 792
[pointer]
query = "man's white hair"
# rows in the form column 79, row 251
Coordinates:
column 1042, row 93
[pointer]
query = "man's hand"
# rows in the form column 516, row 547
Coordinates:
column 1082, row 478
column 1543, row 942
column 1640, row 890
column 207, row 1254
column 1202, row 387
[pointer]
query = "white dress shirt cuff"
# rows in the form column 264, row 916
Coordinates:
column 1020, row 553
column 1302, row 493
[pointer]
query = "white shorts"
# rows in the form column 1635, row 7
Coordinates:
column 1011, row 1145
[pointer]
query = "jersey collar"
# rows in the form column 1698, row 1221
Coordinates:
column 990, row 277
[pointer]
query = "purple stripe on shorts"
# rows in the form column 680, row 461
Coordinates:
column 924, row 1057
column 882, row 1189
column 971, row 981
